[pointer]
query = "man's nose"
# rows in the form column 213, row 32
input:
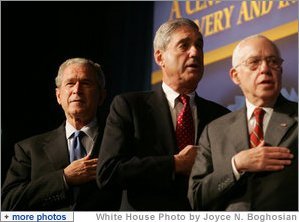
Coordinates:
column 264, row 67
column 194, row 51
column 76, row 87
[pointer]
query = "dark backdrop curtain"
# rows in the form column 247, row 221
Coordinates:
column 36, row 37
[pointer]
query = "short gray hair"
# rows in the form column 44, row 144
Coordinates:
column 94, row 66
column 236, row 51
column 163, row 34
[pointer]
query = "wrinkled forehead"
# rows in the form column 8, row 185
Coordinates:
column 78, row 69
column 257, row 47
column 184, row 32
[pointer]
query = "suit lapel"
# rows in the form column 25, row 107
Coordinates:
column 56, row 148
column 237, row 131
column 97, row 144
column 159, row 110
column 201, row 120
column 280, row 122
column 203, row 115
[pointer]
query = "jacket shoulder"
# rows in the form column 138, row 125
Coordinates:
column 286, row 107
column 134, row 99
column 135, row 95
column 42, row 137
column 212, row 106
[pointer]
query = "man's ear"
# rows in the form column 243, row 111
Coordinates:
column 234, row 75
column 57, row 91
column 159, row 58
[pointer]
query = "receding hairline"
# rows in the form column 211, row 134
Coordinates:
column 237, row 49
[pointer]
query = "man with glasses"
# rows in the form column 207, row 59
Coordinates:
column 248, row 159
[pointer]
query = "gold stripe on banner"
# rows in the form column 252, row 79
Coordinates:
column 226, row 51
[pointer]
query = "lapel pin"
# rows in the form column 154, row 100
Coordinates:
column 283, row 124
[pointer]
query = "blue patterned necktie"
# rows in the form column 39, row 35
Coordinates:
column 77, row 150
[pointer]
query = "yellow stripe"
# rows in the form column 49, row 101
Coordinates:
column 156, row 77
column 274, row 34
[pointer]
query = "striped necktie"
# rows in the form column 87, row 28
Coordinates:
column 257, row 135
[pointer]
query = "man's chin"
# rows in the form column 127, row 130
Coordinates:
column 78, row 112
column 194, row 78
column 269, row 95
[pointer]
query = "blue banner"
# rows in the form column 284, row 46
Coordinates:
column 223, row 24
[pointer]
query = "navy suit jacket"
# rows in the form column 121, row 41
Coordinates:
column 35, row 178
column 138, row 147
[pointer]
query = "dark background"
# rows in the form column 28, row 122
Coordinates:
column 36, row 37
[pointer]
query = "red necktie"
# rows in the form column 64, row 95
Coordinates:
column 185, row 126
column 257, row 136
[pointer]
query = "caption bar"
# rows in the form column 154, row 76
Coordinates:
column 151, row 216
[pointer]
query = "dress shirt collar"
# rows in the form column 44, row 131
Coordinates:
column 91, row 129
column 250, row 108
column 172, row 95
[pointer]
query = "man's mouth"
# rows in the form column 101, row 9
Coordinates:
column 193, row 65
column 76, row 101
column 266, row 82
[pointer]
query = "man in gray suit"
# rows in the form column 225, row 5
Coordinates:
column 246, row 162
column 43, row 174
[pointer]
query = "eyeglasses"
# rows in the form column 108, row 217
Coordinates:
column 254, row 62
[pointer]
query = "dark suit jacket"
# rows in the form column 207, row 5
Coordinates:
column 212, row 183
column 138, row 147
column 35, row 178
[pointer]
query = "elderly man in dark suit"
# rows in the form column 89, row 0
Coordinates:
column 56, row 170
column 148, row 146
column 248, row 159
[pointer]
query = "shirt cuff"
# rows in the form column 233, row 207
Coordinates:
column 235, row 171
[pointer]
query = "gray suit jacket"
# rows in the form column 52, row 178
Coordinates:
column 212, row 185
column 34, row 180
